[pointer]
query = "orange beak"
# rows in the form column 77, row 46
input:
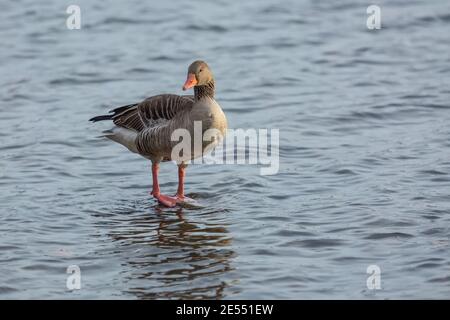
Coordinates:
column 190, row 81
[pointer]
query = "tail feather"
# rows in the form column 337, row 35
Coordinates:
column 114, row 112
column 124, row 136
column 101, row 118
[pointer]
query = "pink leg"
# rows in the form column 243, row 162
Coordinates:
column 181, row 175
column 163, row 199
column 180, row 192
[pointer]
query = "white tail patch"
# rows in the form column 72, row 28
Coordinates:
column 123, row 136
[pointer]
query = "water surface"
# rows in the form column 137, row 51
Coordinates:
column 364, row 151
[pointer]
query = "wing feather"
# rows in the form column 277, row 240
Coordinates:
column 151, row 111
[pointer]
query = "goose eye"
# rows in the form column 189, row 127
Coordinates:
column 200, row 70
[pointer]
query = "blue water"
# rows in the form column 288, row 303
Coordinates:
column 364, row 173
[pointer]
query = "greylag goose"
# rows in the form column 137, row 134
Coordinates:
column 147, row 128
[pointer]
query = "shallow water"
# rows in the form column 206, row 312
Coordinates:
column 364, row 151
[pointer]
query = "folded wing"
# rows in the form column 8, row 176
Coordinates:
column 151, row 112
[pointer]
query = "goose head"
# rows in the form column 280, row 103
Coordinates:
column 199, row 74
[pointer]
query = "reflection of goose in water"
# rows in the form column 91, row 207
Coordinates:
column 168, row 256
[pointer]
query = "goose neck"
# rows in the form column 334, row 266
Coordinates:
column 206, row 90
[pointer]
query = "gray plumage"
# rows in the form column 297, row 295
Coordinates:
column 146, row 127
